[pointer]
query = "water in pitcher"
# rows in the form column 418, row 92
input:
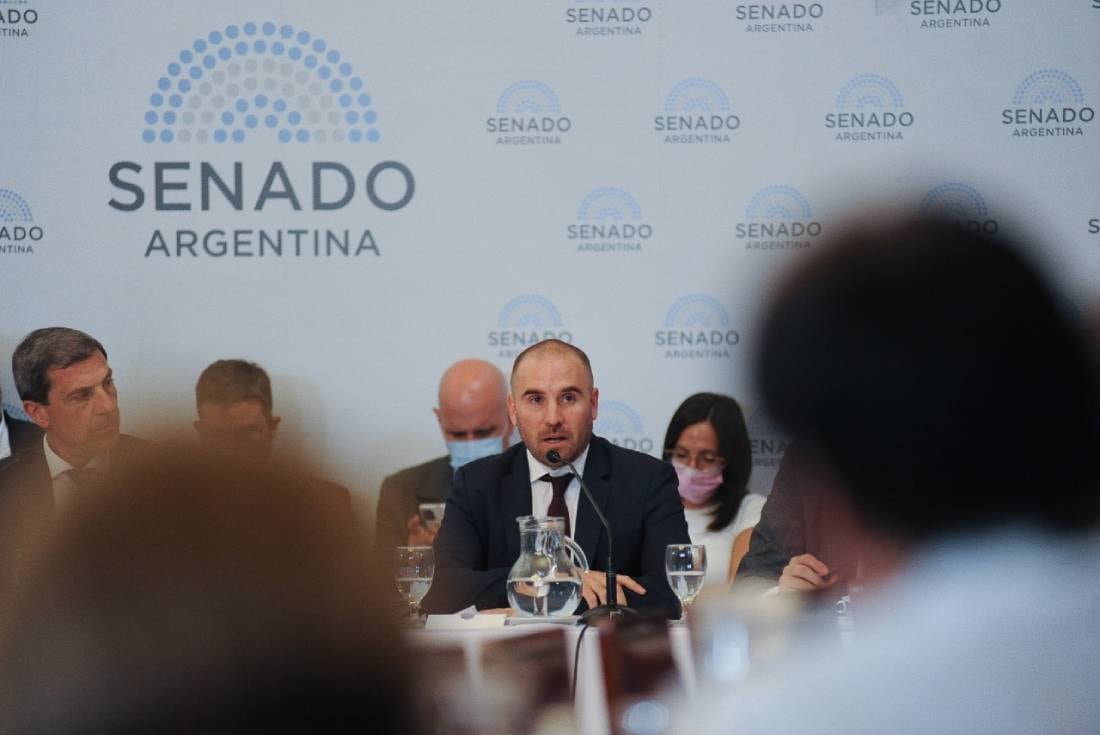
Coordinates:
column 541, row 596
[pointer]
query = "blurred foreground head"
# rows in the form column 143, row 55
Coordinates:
column 937, row 377
column 189, row 596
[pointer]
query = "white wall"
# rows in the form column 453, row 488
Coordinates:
column 356, row 344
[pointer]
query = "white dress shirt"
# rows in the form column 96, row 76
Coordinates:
column 5, row 443
column 63, row 485
column 720, row 543
column 542, row 492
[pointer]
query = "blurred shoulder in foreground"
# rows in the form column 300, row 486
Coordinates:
column 949, row 408
column 201, row 595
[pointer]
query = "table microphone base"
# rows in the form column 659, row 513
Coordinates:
column 607, row 612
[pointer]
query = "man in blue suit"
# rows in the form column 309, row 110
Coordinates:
column 553, row 402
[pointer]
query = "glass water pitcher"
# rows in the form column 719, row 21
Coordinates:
column 546, row 579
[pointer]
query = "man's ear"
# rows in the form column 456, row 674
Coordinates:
column 595, row 402
column 512, row 410
column 273, row 422
column 37, row 412
column 197, row 424
column 509, row 428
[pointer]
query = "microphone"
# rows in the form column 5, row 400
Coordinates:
column 612, row 610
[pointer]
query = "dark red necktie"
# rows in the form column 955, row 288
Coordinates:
column 557, row 504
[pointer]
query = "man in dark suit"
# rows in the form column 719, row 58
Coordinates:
column 473, row 417
column 236, row 415
column 68, row 391
column 553, row 402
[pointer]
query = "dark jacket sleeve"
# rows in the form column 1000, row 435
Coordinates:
column 664, row 525
column 781, row 532
column 390, row 529
column 461, row 578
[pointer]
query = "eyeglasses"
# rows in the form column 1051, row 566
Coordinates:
column 703, row 460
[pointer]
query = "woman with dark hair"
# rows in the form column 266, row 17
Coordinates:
column 708, row 444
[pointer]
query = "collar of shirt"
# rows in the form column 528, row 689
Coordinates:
column 542, row 492
column 537, row 469
column 5, row 444
column 57, row 465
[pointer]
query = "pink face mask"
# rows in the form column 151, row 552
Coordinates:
column 697, row 486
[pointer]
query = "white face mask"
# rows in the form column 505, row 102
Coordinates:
column 466, row 451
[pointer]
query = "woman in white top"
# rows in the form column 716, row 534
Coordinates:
column 708, row 444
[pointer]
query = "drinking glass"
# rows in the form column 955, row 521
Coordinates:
column 413, row 569
column 686, row 568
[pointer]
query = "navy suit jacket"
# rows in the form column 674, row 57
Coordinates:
column 479, row 540
column 26, row 494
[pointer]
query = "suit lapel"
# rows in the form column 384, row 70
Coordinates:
column 515, row 488
column 26, row 482
column 597, row 475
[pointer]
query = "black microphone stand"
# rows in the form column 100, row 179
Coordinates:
column 612, row 610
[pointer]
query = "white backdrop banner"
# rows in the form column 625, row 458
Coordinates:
column 356, row 194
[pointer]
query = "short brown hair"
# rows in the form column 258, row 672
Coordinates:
column 45, row 349
column 229, row 381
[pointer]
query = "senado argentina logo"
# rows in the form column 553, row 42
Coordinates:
column 524, row 321
column 869, row 107
column 767, row 440
column 778, row 218
column 696, row 326
column 961, row 204
column 948, row 14
column 528, row 113
column 609, row 219
column 259, row 84
column 1048, row 103
column 597, row 18
column 779, row 17
column 18, row 231
column 696, row 110
column 259, row 80
column 622, row 425
column 18, row 21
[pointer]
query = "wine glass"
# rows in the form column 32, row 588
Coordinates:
column 413, row 569
column 686, row 568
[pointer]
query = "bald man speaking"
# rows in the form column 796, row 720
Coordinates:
column 473, row 416
column 554, row 403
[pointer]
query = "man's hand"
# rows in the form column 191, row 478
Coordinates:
column 594, row 588
column 806, row 572
column 418, row 534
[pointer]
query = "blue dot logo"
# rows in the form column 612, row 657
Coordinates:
column 13, row 208
column 778, row 203
column 869, row 91
column 609, row 204
column 697, row 311
column 297, row 88
column 697, row 95
column 527, row 311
